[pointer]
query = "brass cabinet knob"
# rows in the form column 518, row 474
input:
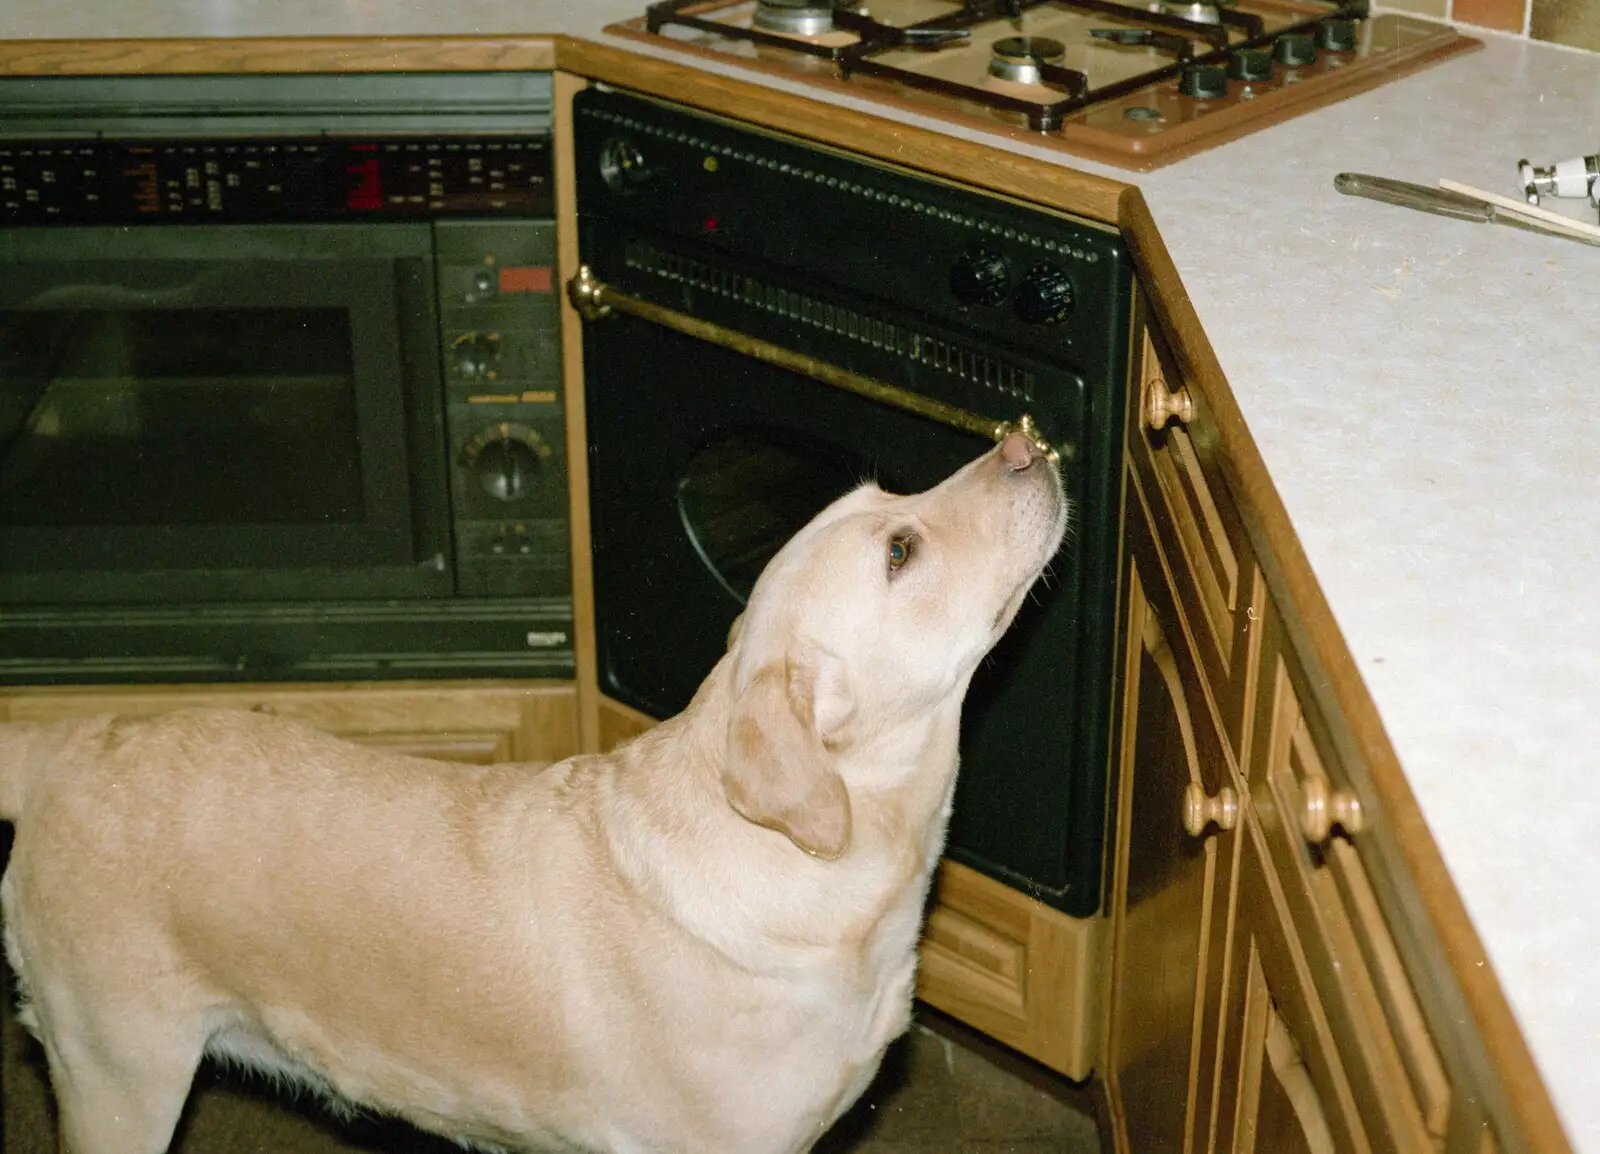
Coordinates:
column 1162, row 404
column 1323, row 810
column 1199, row 811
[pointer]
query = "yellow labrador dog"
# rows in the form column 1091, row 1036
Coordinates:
column 700, row 944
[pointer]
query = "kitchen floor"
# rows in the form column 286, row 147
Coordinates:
column 941, row 1090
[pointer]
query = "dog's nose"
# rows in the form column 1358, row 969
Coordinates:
column 1019, row 451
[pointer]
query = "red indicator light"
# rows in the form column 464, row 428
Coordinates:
column 526, row 279
column 711, row 224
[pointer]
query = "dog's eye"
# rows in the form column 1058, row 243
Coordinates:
column 900, row 551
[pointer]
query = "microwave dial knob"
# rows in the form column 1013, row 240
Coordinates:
column 506, row 459
column 622, row 165
column 476, row 356
column 1045, row 296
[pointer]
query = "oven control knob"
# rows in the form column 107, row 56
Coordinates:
column 1045, row 296
column 980, row 277
column 622, row 165
column 506, row 459
column 476, row 356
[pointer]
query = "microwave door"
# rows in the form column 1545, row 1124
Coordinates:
column 230, row 412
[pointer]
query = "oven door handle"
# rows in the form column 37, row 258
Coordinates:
column 594, row 300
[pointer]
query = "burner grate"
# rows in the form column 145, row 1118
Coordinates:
column 1167, row 32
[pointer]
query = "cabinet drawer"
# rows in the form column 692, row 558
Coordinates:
column 1312, row 822
column 1172, row 449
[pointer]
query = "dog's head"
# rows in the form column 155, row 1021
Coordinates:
column 864, row 630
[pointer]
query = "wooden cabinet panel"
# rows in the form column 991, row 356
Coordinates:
column 456, row 721
column 1284, row 1088
column 1177, row 807
column 1311, row 820
column 1012, row 967
column 1173, row 453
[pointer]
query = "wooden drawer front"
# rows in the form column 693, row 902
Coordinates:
column 470, row 722
column 1392, row 1060
column 1200, row 532
column 1011, row 967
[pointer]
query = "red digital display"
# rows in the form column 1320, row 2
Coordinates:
column 366, row 188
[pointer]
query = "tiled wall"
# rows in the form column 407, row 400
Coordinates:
column 1572, row 22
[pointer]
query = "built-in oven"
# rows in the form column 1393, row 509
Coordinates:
column 771, row 323
column 279, row 380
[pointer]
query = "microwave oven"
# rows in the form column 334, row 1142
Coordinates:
column 280, row 381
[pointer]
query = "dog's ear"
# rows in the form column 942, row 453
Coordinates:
column 778, row 771
column 733, row 630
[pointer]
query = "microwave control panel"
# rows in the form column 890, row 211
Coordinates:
column 499, row 336
column 246, row 181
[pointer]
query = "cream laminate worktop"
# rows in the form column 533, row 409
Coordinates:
column 1420, row 391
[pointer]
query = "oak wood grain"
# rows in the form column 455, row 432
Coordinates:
column 275, row 54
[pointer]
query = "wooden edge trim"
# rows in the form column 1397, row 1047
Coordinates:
column 1526, row 1094
column 575, row 408
column 275, row 54
column 971, row 162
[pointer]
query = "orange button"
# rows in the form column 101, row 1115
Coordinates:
column 526, row 278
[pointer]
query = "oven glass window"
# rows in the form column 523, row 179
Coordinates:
column 134, row 417
column 743, row 494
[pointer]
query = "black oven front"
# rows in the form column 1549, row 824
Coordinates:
column 279, row 381
column 772, row 323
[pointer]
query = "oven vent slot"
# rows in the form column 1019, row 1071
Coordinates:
column 910, row 344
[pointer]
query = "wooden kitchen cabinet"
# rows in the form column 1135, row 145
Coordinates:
column 1259, row 998
column 1177, row 808
column 1388, row 1080
column 476, row 722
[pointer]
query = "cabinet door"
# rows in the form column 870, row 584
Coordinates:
column 1176, row 808
column 1173, row 451
column 1284, row 1089
column 1312, row 822
column 467, row 722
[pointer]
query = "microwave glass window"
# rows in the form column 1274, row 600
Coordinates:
column 178, row 416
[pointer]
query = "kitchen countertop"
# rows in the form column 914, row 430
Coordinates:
column 1418, row 389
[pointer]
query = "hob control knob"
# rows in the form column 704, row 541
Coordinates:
column 1045, row 296
column 1203, row 81
column 1252, row 65
column 475, row 356
column 622, row 165
column 506, row 458
column 981, row 277
column 1337, row 35
column 1294, row 50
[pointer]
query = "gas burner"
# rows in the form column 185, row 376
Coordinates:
column 1017, row 58
column 1195, row 11
column 794, row 17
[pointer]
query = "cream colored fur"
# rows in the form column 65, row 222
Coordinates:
column 700, row 943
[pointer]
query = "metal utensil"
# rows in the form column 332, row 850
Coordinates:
column 1446, row 202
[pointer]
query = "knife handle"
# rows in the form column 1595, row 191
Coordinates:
column 1408, row 195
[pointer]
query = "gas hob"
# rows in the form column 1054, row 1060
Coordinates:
column 1133, row 85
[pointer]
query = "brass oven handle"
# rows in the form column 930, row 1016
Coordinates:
column 594, row 299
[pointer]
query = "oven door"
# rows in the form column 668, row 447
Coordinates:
column 220, row 414
column 703, row 461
